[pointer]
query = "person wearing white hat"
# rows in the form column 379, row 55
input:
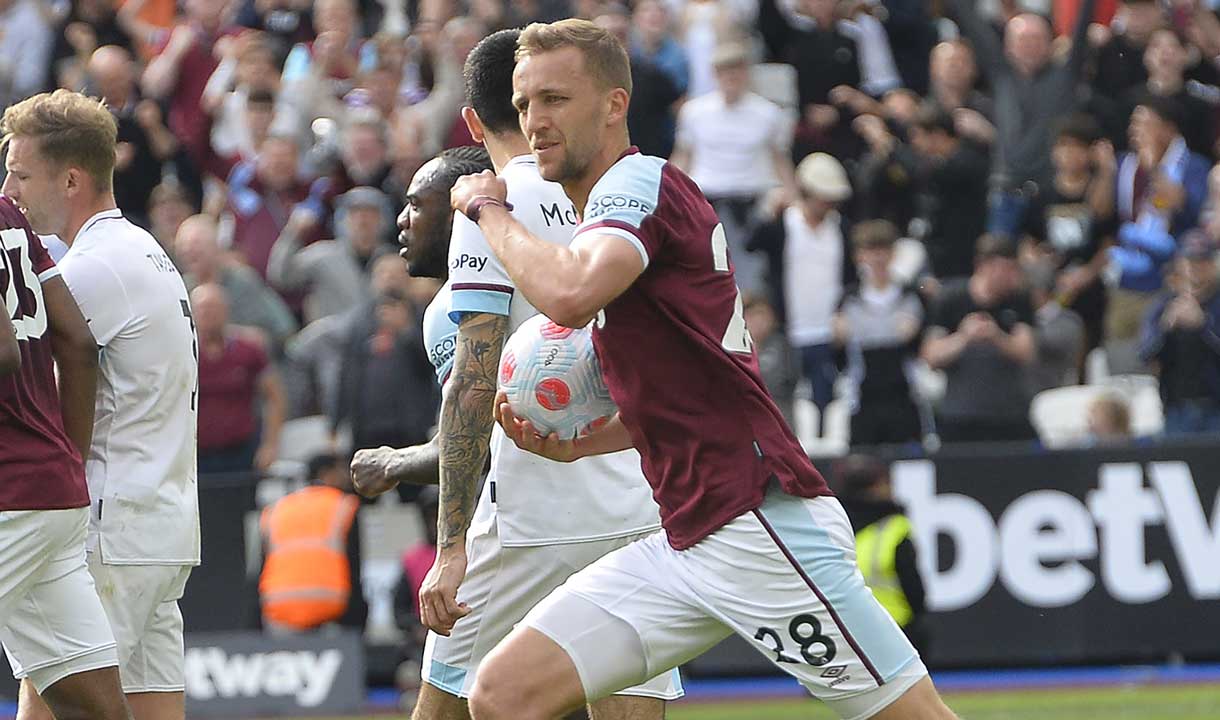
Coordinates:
column 807, row 244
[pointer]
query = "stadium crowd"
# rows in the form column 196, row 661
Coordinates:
column 937, row 209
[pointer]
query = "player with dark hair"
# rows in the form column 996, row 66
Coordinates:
column 753, row 543
column 536, row 521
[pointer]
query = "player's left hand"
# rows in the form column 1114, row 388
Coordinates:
column 439, row 609
column 372, row 472
column 468, row 187
column 525, row 436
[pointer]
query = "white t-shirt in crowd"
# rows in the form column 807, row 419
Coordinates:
column 731, row 146
column 813, row 276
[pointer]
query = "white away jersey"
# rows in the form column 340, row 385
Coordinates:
column 539, row 502
column 141, row 467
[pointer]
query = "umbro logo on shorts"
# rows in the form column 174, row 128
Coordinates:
column 833, row 671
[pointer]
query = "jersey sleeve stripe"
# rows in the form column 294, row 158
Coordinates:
column 462, row 302
column 618, row 229
column 490, row 287
column 49, row 273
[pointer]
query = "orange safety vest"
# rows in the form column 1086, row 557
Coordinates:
column 306, row 578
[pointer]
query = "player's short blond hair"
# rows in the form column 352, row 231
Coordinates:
column 605, row 58
column 72, row 130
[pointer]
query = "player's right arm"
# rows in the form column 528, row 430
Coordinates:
column 75, row 351
column 465, row 436
column 10, row 351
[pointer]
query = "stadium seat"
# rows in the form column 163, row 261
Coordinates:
column 1096, row 366
column 835, row 438
column 1060, row 415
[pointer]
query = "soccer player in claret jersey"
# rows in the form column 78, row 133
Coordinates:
column 536, row 522
column 140, row 467
column 51, row 620
column 753, row 542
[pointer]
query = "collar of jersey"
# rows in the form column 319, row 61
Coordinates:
column 111, row 213
column 526, row 159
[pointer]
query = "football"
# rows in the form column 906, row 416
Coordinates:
column 552, row 378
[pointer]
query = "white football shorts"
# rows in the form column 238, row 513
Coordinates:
column 141, row 602
column 501, row 585
column 51, row 621
column 783, row 576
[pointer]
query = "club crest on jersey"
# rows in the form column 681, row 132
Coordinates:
column 607, row 203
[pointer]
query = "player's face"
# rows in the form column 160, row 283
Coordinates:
column 424, row 224
column 37, row 186
column 563, row 112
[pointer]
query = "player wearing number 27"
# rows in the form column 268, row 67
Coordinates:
column 753, row 541
column 144, row 523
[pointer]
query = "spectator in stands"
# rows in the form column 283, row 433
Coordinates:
column 387, row 387
column 262, row 196
column 333, row 273
column 948, row 176
column 825, row 57
column 1059, row 333
column 776, row 361
column 252, row 304
column 953, row 88
column 311, row 555
column 1031, row 92
column 650, row 116
column 314, row 357
column 735, row 144
column 807, row 247
column 980, row 333
column 240, row 94
column 652, row 40
column 1120, row 59
column 884, row 549
column 877, row 324
column 1161, row 186
column 169, row 205
column 912, row 35
column 180, row 72
column 364, row 158
column 25, row 50
column 1166, row 59
column 1070, row 223
column 1109, row 421
column 285, row 22
column 234, row 373
column 1180, row 337
column 145, row 144
column 334, row 53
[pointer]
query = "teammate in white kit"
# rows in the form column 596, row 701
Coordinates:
column 537, row 521
column 144, row 521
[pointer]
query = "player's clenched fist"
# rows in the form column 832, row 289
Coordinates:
column 472, row 192
column 372, row 471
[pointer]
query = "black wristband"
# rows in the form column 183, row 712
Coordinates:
column 475, row 207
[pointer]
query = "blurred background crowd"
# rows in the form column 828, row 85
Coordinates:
column 952, row 221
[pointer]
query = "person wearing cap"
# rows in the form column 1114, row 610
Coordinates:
column 1180, row 337
column 333, row 273
column 1161, row 187
column 735, row 144
column 980, row 333
column 809, row 264
column 884, row 549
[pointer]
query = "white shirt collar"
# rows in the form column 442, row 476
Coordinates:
column 103, row 215
column 526, row 159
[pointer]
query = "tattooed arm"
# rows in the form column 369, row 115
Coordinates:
column 465, row 432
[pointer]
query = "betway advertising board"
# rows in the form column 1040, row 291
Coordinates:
column 1034, row 558
column 1071, row 556
column 249, row 674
